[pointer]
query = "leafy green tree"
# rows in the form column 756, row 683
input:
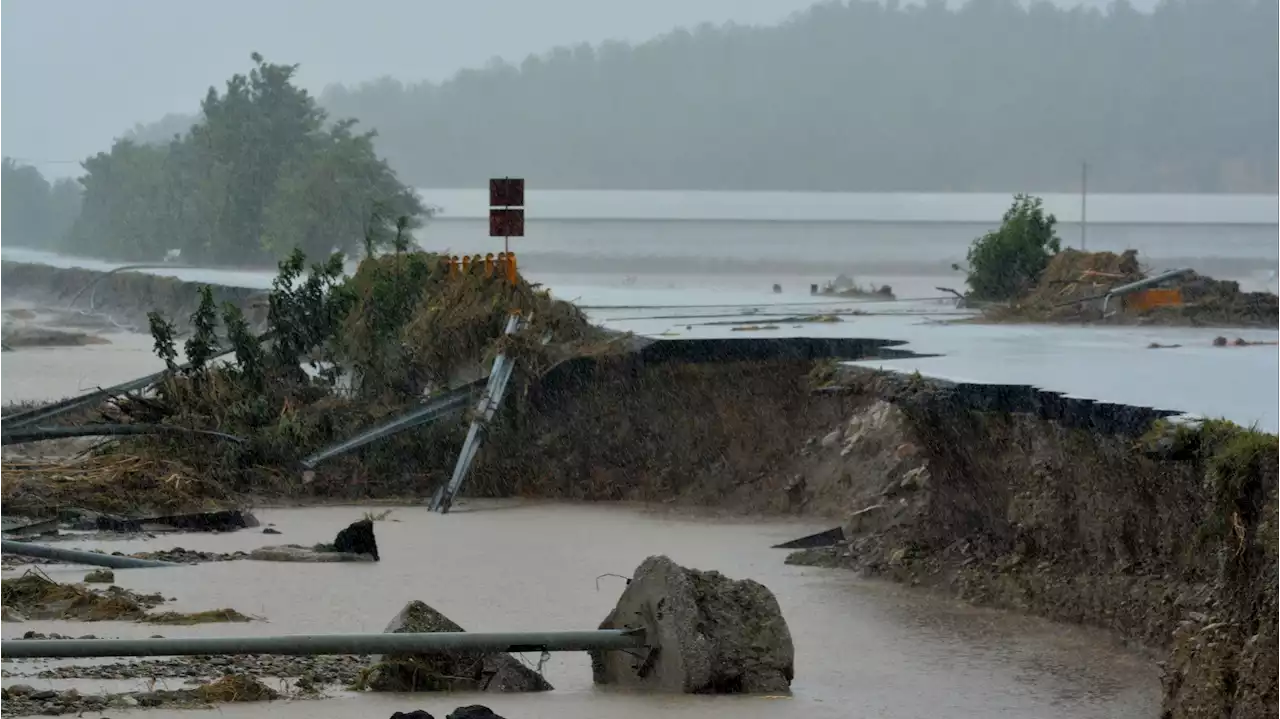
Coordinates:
column 338, row 197
column 258, row 175
column 203, row 344
column 1007, row 262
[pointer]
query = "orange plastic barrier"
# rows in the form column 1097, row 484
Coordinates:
column 1153, row 298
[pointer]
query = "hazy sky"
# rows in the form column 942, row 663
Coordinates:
column 77, row 73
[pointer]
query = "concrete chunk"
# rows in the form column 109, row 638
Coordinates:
column 453, row 671
column 706, row 634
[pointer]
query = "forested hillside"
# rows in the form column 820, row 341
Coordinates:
column 865, row 96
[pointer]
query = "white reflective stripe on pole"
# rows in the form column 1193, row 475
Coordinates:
column 316, row 644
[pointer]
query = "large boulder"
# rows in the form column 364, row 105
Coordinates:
column 452, row 671
column 705, row 633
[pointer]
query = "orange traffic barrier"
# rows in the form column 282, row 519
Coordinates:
column 511, row 268
column 1153, row 298
column 488, row 265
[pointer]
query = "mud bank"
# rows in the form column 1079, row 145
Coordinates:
column 1165, row 535
column 1085, row 512
column 716, row 434
column 124, row 296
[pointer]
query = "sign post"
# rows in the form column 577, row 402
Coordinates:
column 506, row 209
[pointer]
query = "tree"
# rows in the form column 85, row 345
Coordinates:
column 257, row 176
column 1008, row 262
column 36, row 214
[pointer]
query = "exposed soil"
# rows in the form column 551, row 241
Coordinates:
column 1168, row 540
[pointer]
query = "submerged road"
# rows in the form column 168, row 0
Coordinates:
column 863, row 649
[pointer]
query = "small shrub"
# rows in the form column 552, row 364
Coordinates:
column 1006, row 263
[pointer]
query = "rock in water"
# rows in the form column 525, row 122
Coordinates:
column 453, row 671
column 706, row 633
column 415, row 714
column 357, row 539
column 299, row 553
column 474, row 711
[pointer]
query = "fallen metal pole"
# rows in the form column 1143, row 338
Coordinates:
column 315, row 644
column 489, row 401
column 76, row 556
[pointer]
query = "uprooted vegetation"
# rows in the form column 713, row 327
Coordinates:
column 1072, row 287
column 36, row 596
column 1166, row 537
column 1020, row 273
column 338, row 355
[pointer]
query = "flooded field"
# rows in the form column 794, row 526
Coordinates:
column 863, row 648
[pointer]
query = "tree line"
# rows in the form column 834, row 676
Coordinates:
column 35, row 210
column 264, row 171
column 864, row 95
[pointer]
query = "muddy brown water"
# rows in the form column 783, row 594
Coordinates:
column 863, row 648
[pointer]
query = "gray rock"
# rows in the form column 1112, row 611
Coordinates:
column 415, row 714
column 706, row 634
column 21, row 690
column 8, row 614
column 453, row 671
column 44, row 695
column 100, row 576
column 831, row 440
column 299, row 553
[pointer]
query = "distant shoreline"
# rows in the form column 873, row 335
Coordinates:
column 983, row 208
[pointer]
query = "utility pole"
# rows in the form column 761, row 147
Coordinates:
column 1084, row 207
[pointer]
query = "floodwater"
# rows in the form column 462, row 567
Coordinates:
column 863, row 648
column 1110, row 364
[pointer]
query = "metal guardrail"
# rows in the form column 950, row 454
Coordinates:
column 1142, row 284
column 447, row 404
column 317, row 644
column 76, row 556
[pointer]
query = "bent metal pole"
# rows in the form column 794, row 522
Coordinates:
column 76, row 556
column 315, row 644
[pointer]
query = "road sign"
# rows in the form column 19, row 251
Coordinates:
column 506, row 192
column 506, row 222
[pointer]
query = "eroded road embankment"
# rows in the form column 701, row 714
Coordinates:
column 1097, row 514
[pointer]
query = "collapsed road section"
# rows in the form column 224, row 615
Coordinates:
column 1157, row 530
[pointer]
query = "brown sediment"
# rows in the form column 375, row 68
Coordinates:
column 112, row 484
column 1072, row 286
column 38, row 597
column 209, row 616
column 236, row 688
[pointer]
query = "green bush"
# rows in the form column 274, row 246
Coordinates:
column 1008, row 262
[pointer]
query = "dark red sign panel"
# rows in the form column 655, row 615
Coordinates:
column 506, row 192
column 506, row 222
